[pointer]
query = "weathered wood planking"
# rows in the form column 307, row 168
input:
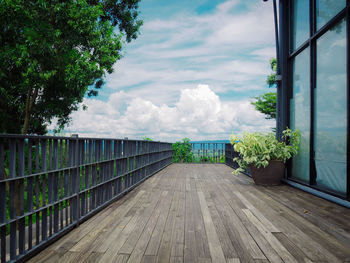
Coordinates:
column 203, row 213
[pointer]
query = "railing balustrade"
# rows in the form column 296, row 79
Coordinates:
column 199, row 152
column 49, row 185
column 230, row 153
column 208, row 152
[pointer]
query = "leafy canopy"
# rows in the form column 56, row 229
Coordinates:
column 54, row 52
column 267, row 102
column 182, row 151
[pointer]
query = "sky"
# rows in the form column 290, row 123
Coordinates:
column 192, row 72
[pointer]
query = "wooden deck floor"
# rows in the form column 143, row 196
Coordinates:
column 203, row 213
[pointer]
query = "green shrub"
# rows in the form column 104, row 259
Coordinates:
column 258, row 148
column 182, row 151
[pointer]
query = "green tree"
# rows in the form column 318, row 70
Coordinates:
column 267, row 102
column 52, row 53
column 182, row 151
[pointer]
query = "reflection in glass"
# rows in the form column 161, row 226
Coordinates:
column 301, row 28
column 300, row 114
column 330, row 110
column 327, row 9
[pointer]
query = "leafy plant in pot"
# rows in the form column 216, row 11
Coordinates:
column 264, row 154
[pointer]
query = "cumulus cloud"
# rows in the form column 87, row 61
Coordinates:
column 228, row 48
column 198, row 114
column 153, row 91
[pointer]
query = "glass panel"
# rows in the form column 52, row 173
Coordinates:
column 300, row 22
column 326, row 10
column 300, row 114
column 330, row 110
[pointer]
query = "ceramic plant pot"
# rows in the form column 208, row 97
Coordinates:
column 270, row 175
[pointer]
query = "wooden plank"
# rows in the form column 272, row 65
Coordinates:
column 264, row 245
column 166, row 242
column 277, row 246
column 316, row 215
column 141, row 245
column 216, row 252
column 190, row 253
column 294, row 227
column 225, row 241
column 229, row 211
column 69, row 257
column 176, row 260
column 230, row 220
column 93, row 257
column 112, row 252
column 148, row 259
column 111, row 231
column 156, row 237
column 291, row 247
column 98, row 227
column 79, row 233
column 102, row 243
column 177, row 249
column 268, row 225
column 46, row 256
column 121, row 258
column 202, row 245
column 151, row 212
column 328, row 212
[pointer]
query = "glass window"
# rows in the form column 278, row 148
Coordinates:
column 326, row 10
column 330, row 110
column 300, row 22
column 300, row 114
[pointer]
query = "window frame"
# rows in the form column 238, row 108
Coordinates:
column 288, row 56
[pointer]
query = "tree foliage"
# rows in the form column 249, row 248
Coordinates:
column 267, row 102
column 182, row 151
column 271, row 79
column 54, row 52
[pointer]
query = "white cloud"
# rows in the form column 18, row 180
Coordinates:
column 198, row 114
column 151, row 92
column 228, row 48
column 228, row 5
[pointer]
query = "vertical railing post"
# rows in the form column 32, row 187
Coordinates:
column 20, row 189
column 76, row 182
column 2, row 203
column 12, row 195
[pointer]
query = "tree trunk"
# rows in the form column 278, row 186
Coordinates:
column 31, row 97
column 30, row 100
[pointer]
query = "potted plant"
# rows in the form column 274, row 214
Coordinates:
column 264, row 154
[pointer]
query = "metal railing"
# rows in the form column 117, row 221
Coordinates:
column 208, row 152
column 230, row 153
column 198, row 152
column 48, row 185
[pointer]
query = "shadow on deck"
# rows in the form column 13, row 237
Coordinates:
column 203, row 213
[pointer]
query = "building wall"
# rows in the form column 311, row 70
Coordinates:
column 315, row 91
